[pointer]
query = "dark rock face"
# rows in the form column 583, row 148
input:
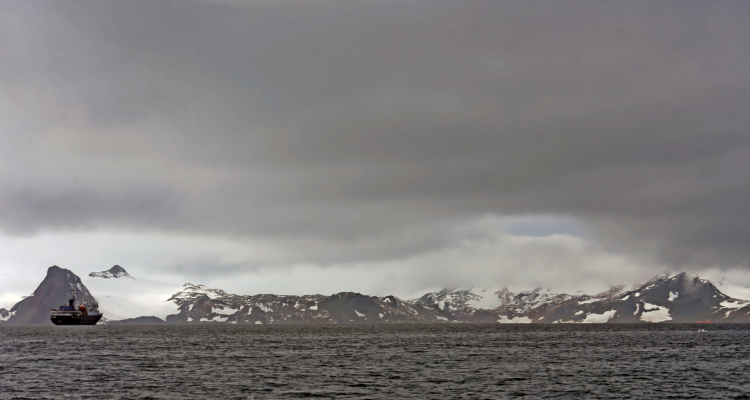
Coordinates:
column 138, row 321
column 51, row 293
column 196, row 303
column 114, row 272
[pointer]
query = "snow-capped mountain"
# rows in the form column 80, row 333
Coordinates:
column 114, row 272
column 197, row 303
column 680, row 298
column 53, row 291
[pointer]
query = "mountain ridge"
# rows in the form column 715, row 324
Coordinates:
column 679, row 298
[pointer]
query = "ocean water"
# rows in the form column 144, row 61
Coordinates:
column 448, row 361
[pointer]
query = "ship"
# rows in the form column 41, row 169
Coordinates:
column 71, row 315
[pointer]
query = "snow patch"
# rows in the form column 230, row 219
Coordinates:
column 381, row 315
column 732, row 304
column 314, row 308
column 359, row 314
column 637, row 294
column 587, row 301
column 599, row 318
column 515, row 320
column 265, row 307
column 579, row 312
column 625, row 298
column 672, row 296
column 654, row 313
column 225, row 311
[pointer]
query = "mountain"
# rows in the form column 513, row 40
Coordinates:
column 52, row 292
column 680, row 298
column 197, row 303
column 504, row 306
column 114, row 272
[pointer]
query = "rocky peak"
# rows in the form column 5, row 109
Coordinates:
column 114, row 272
column 52, row 292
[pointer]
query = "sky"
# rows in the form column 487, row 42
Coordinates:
column 388, row 147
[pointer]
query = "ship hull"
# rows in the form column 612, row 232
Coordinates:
column 75, row 320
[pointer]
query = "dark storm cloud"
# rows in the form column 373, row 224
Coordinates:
column 357, row 121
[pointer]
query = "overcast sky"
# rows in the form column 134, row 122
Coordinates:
column 377, row 146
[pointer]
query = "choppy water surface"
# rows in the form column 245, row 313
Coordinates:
column 374, row 362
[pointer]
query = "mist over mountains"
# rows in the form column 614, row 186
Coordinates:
column 680, row 298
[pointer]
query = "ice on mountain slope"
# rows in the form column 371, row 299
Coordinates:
column 599, row 318
column 734, row 304
column 654, row 313
column 731, row 290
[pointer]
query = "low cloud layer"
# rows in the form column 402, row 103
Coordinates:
column 371, row 132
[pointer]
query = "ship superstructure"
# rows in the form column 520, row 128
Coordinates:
column 71, row 314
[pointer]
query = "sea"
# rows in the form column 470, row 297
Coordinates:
column 410, row 361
